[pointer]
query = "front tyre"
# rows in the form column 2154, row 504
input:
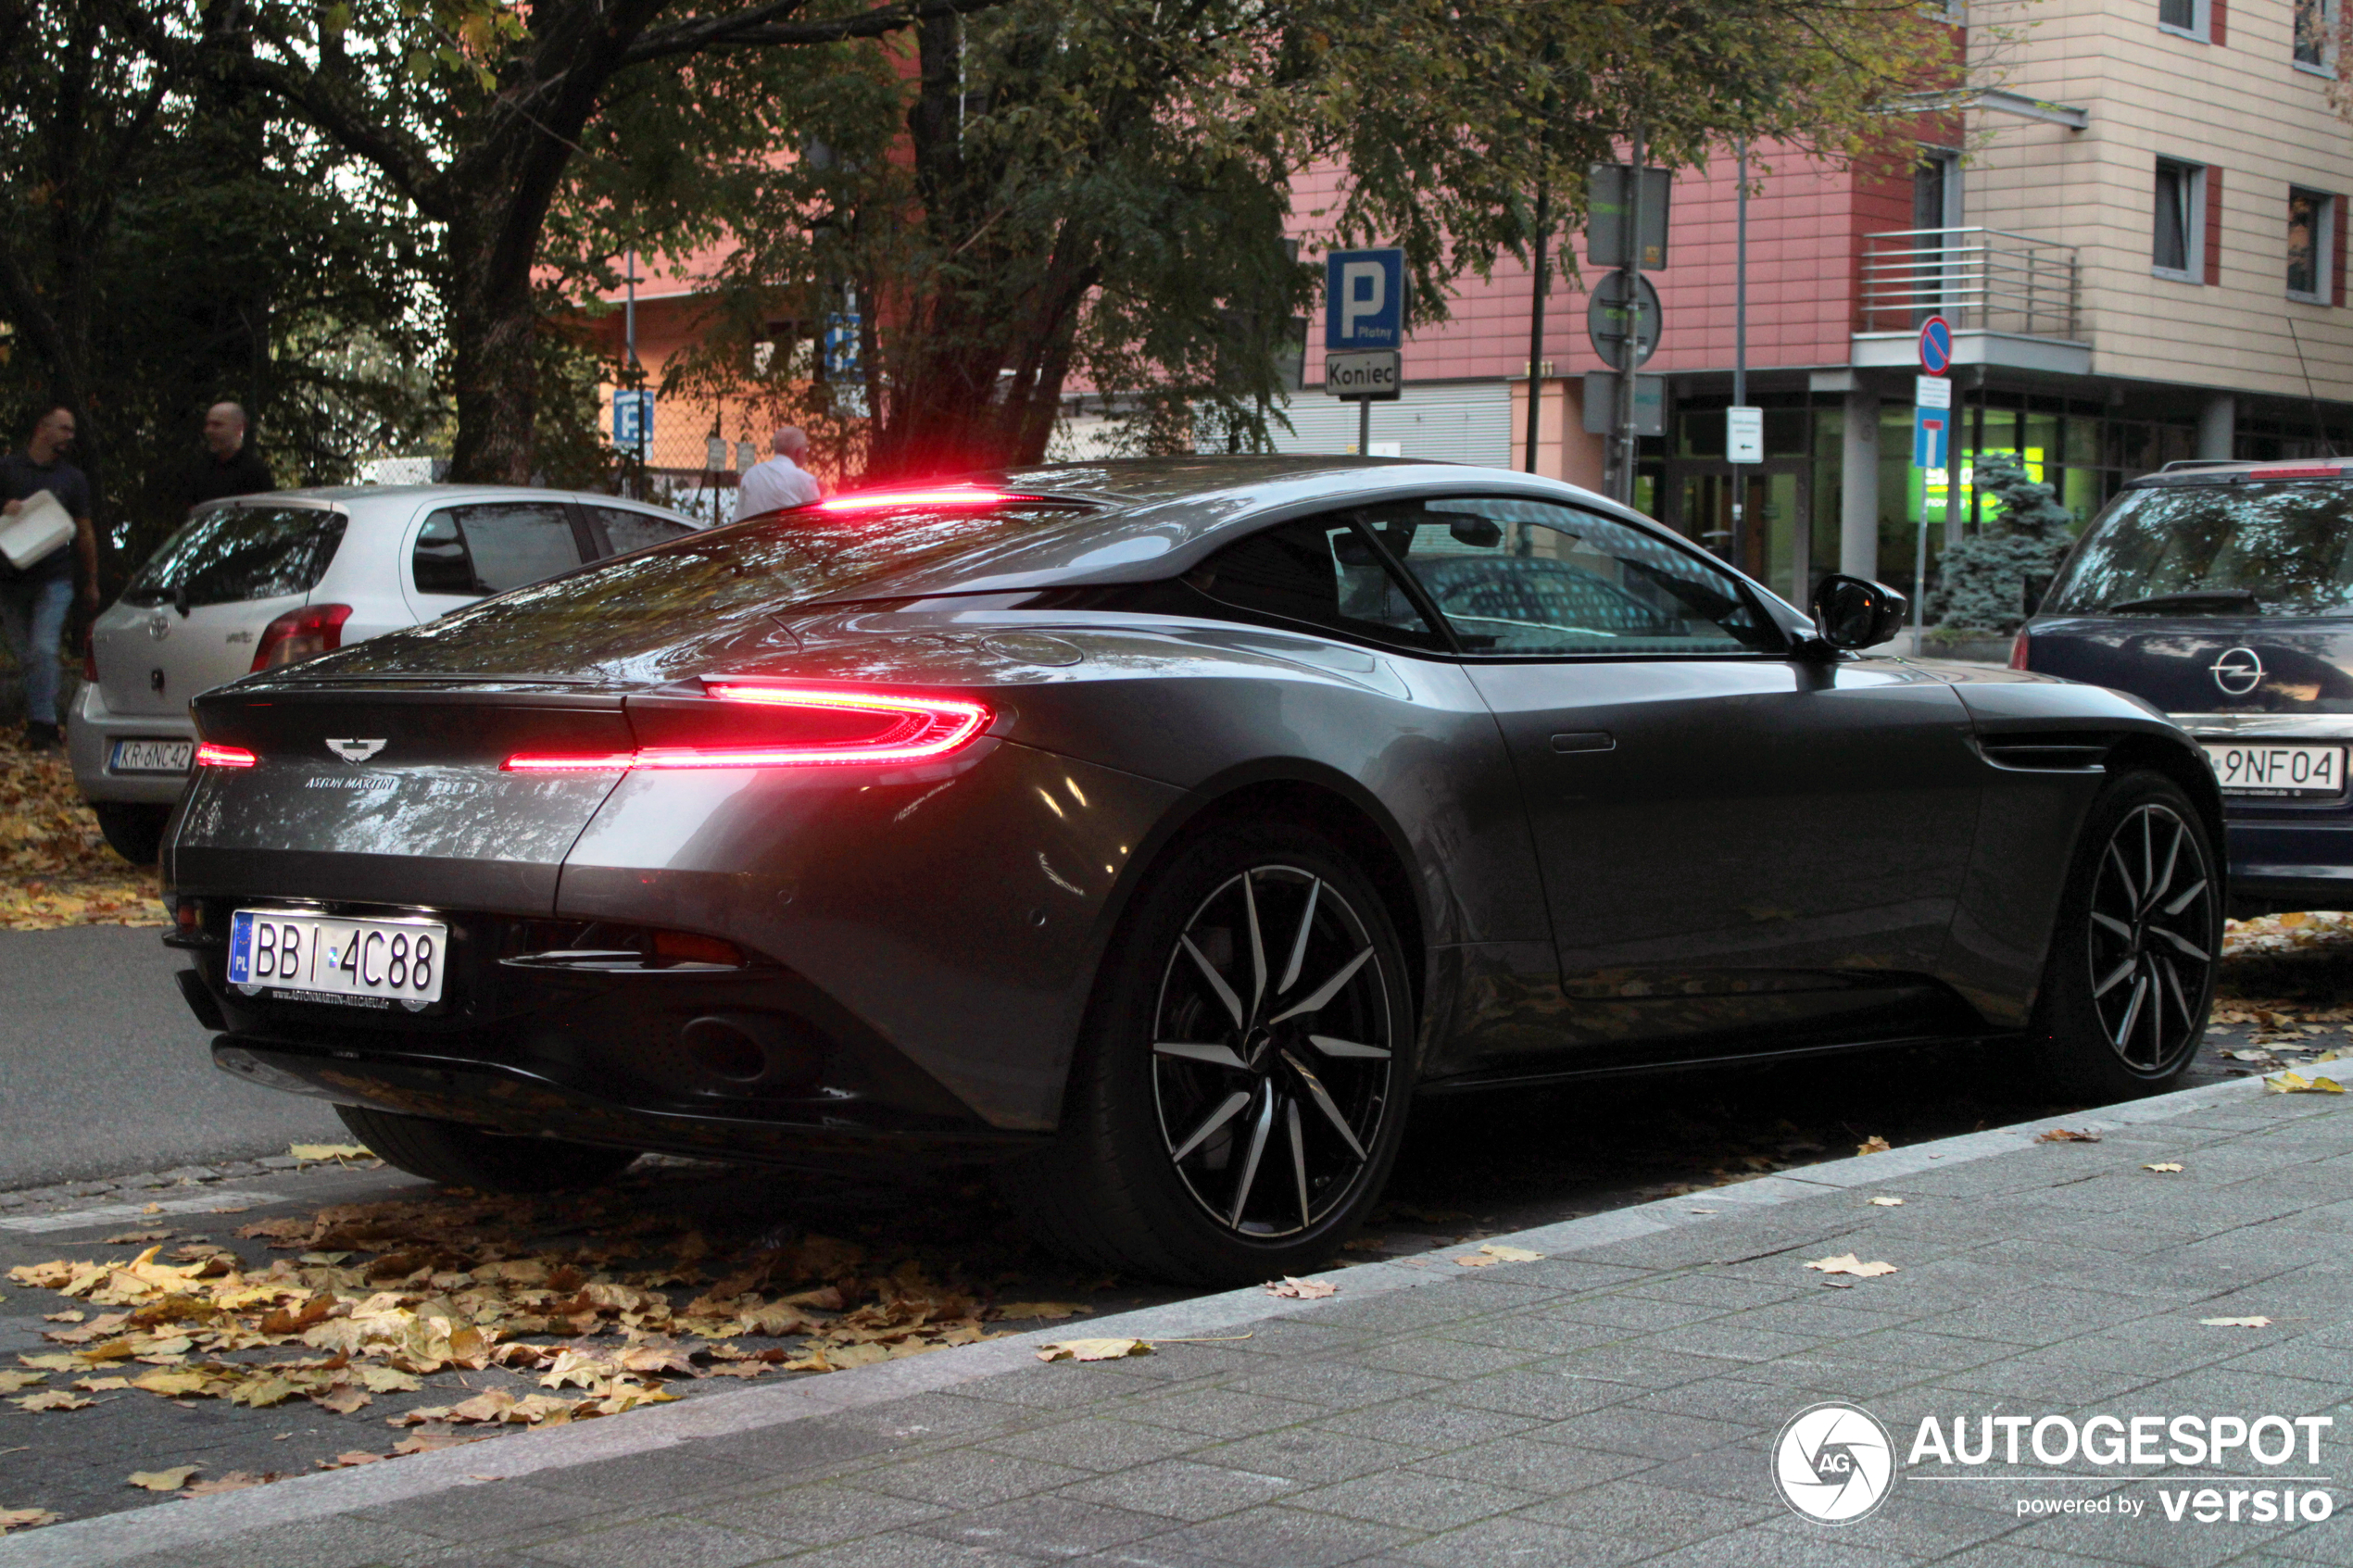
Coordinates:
column 458, row 1155
column 2131, row 974
column 1240, row 1095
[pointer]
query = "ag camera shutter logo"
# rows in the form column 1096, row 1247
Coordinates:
column 1833, row 1463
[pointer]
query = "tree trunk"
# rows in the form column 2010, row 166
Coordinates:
column 494, row 363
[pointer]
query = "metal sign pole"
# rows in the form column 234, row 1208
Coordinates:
column 1535, row 328
column 1364, row 427
column 1740, row 325
column 1630, row 357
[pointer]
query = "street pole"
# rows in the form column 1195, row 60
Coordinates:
column 1536, row 327
column 629, row 334
column 1630, row 355
column 1364, row 427
column 1740, row 325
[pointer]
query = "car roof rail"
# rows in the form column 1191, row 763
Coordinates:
column 2181, row 465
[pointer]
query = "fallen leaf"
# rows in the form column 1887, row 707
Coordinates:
column 2066, row 1134
column 344, row 1400
column 1511, row 1254
column 133, row 1238
column 346, row 1461
column 1887, row 1202
column 234, row 1481
column 1478, row 1260
column 2236, row 1322
column 389, row 1380
column 318, row 1151
column 1045, row 1309
column 25, row 1518
column 16, row 1382
column 2164, row 1167
column 2296, row 1083
column 52, row 1399
column 169, row 1480
column 101, row 1385
column 1847, row 1264
column 1301, row 1289
column 1873, row 1144
column 2249, row 1055
column 1093, row 1350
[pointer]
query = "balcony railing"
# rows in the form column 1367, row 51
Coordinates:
column 1974, row 278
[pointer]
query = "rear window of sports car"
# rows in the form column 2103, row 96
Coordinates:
column 785, row 558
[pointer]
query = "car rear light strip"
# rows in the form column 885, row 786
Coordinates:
column 929, row 496
column 910, row 729
column 212, row 754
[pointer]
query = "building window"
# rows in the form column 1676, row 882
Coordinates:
column 2315, row 22
column 2188, row 17
column 2178, row 247
column 2311, row 238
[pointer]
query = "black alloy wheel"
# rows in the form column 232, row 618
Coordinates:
column 1273, row 1055
column 2130, row 972
column 1239, row 1089
column 2151, row 943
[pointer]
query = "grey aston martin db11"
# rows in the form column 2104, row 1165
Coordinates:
column 1158, row 831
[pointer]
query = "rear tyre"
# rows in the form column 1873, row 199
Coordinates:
column 1239, row 1093
column 458, row 1155
column 134, row 832
column 2131, row 974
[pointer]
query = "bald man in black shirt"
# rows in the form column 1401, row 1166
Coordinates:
column 231, row 467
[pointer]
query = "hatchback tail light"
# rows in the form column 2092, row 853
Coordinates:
column 301, row 634
column 2018, row 652
column 90, row 659
column 797, row 726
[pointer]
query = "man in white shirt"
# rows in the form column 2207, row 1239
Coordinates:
column 781, row 480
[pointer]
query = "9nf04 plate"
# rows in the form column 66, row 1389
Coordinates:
column 2281, row 772
column 371, row 963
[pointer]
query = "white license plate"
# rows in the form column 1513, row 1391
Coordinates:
column 2285, row 773
column 370, row 963
column 151, row 755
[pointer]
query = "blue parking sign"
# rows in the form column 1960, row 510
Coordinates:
column 633, row 419
column 841, row 346
column 1364, row 299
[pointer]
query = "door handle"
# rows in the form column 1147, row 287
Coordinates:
column 1585, row 740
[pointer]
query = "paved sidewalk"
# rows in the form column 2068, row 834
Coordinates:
column 1616, row 1402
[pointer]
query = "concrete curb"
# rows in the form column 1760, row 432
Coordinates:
column 192, row 1521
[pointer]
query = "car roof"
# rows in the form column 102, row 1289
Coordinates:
column 2217, row 470
column 1154, row 518
column 344, row 495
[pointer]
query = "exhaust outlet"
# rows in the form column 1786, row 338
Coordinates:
column 756, row 1053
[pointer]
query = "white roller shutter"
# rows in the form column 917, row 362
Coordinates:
column 1446, row 421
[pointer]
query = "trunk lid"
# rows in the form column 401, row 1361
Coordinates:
column 2249, row 667
column 387, row 793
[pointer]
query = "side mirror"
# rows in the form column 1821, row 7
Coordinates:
column 1854, row 612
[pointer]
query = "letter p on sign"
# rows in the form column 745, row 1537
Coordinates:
column 1364, row 298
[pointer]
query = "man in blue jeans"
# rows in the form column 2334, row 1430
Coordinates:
column 33, row 602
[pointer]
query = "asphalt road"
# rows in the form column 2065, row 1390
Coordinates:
column 103, row 1071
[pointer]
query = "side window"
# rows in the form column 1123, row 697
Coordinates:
column 1320, row 571
column 488, row 549
column 625, row 530
column 1515, row 578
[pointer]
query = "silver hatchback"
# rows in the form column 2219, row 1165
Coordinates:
column 261, row 581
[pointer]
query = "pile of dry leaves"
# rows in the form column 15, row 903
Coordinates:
column 377, row 1297
column 55, row 866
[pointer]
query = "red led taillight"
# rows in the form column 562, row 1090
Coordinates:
column 927, row 496
column 848, row 726
column 212, row 754
column 301, row 634
column 2018, row 652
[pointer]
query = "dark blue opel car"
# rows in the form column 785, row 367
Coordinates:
column 2222, row 593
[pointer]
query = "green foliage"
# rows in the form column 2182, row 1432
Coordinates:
column 1983, row 578
column 170, row 244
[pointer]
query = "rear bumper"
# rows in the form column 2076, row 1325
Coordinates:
column 526, row 1100
column 2290, row 866
column 599, row 1052
column 91, row 731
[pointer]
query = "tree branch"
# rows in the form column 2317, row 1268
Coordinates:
column 758, row 27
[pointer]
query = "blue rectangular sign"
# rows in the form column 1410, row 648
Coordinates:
column 1364, row 299
column 633, row 419
column 1931, row 437
column 841, row 346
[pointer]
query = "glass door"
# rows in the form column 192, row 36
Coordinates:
column 1769, row 540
